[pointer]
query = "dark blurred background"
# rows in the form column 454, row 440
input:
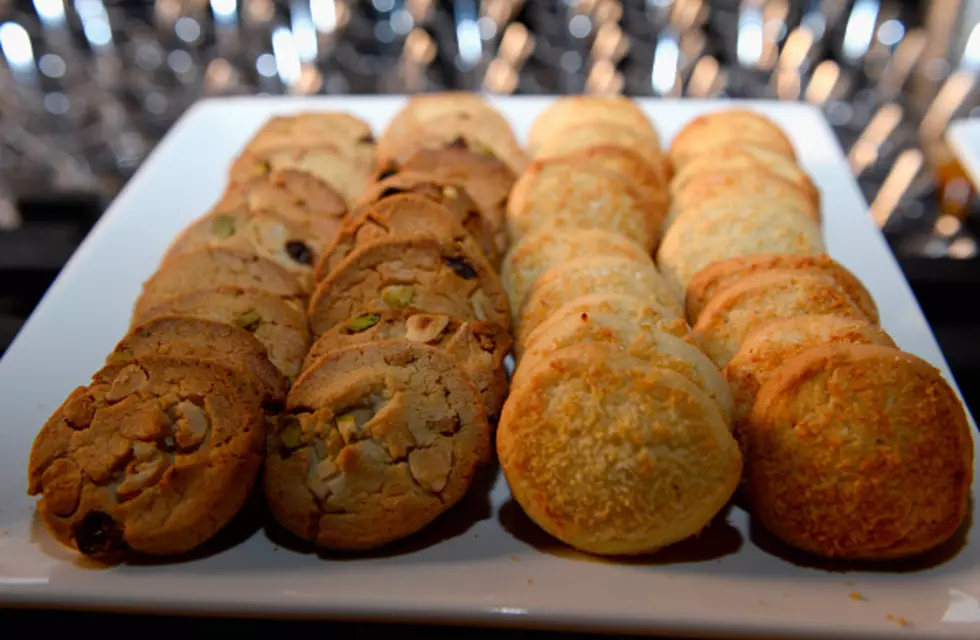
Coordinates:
column 87, row 88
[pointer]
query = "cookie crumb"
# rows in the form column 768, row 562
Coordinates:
column 4, row 532
column 530, row 581
column 902, row 622
column 856, row 595
column 275, row 548
column 889, row 617
column 762, row 603
column 513, row 558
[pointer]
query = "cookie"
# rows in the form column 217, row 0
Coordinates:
column 431, row 274
column 581, row 139
column 216, row 267
column 486, row 179
column 744, row 306
column 582, row 194
column 423, row 107
column 396, row 216
column 279, row 324
column 771, row 344
column 731, row 230
column 613, row 456
column 379, row 439
column 603, row 274
column 655, row 347
column 859, row 452
column 707, row 282
column 293, row 245
column 540, row 250
column 584, row 112
column 478, row 347
column 155, row 456
column 313, row 129
column 288, row 193
column 703, row 135
column 451, row 196
column 346, row 176
column 196, row 338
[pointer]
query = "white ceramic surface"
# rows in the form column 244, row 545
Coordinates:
column 483, row 562
column 964, row 138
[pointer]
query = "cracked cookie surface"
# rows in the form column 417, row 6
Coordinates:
column 377, row 440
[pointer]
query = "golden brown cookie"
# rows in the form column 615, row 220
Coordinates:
column 196, row 338
column 540, row 250
column 288, row 193
column 613, row 456
column 279, row 324
column 423, row 107
column 586, row 112
column 216, row 267
column 478, row 347
column 859, row 452
column 313, row 129
column 744, row 306
column 604, row 274
column 733, row 229
column 703, row 135
column 629, row 143
column 774, row 342
column 431, row 274
column 715, row 277
column 349, row 177
column 379, row 439
column 579, row 193
column 155, row 455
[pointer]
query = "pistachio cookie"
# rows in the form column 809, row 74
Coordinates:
column 349, row 177
column 196, row 338
column 378, row 440
column 478, row 347
column 155, row 455
column 312, row 129
column 279, row 324
column 289, row 193
column 431, row 274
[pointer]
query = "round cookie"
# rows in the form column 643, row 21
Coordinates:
column 613, row 456
column 771, row 344
column 478, row 347
column 396, row 216
column 451, row 196
column 633, row 144
column 579, row 193
column 288, row 193
column 216, row 267
column 295, row 246
column 540, row 250
column 602, row 274
column 156, row 455
column 280, row 325
column 744, row 306
column 196, row 338
column 313, row 129
column 655, row 347
column 859, row 452
column 700, row 237
column 348, row 177
column 379, row 439
column 580, row 112
column 703, row 135
column 423, row 107
column 431, row 274
column 718, row 275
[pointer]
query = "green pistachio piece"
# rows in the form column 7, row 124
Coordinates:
column 397, row 296
column 363, row 322
column 250, row 320
column 223, row 226
column 291, row 436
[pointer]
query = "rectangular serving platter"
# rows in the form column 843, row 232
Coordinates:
column 483, row 562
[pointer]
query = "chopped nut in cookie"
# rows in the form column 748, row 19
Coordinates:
column 130, row 380
column 423, row 327
column 62, row 486
column 431, row 466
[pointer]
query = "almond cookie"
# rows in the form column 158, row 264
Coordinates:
column 188, row 337
column 706, row 133
column 613, row 456
column 451, row 196
column 379, row 439
column 216, row 267
column 540, row 250
column 288, row 193
column 579, row 193
column 155, row 455
column 348, row 177
column 655, row 347
column 431, row 274
column 771, row 344
column 859, row 452
column 313, row 129
column 583, row 112
column 630, row 143
column 398, row 215
column 733, row 229
column 744, row 306
column 603, row 274
column 295, row 246
column 486, row 179
column 715, row 277
column 280, row 325
column 478, row 347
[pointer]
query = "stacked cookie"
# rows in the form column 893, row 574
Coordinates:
column 852, row 448
column 615, row 437
column 390, row 418
column 163, row 447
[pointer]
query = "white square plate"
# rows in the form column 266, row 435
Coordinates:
column 964, row 138
column 483, row 562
